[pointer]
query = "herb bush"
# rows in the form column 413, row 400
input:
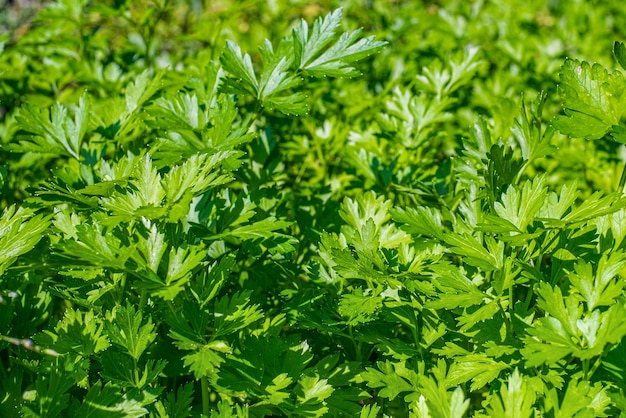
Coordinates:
column 288, row 208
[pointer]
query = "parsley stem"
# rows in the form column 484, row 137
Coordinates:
column 205, row 395
column 357, row 345
column 529, row 296
column 416, row 330
column 595, row 366
column 622, row 180
column 143, row 299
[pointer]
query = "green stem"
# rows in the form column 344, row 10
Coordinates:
column 357, row 345
column 529, row 296
column 205, row 395
column 595, row 366
column 511, row 302
column 585, row 364
column 122, row 289
column 622, row 180
column 143, row 299
column 416, row 335
column 552, row 240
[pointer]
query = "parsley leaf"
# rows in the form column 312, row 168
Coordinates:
column 593, row 99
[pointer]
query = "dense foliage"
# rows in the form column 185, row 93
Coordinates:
column 293, row 208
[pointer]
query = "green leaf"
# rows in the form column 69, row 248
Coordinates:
column 568, row 330
column 593, row 99
column 474, row 252
column 56, row 132
column 313, row 388
column 434, row 398
column 581, row 399
column 443, row 79
column 535, row 140
column 178, row 112
column 123, row 370
column 307, row 46
column 502, row 170
column 151, row 247
column 234, row 313
column 370, row 411
column 240, row 67
column 353, row 263
column 125, row 328
column 318, row 54
column 206, row 285
column 357, row 212
column 359, row 307
column 224, row 410
column 601, row 288
column 222, row 132
column 51, row 388
column 619, row 50
column 514, row 400
column 266, row 367
column 556, row 206
column 188, row 325
column 455, row 407
column 138, row 92
column 387, row 379
column 274, row 87
column 276, row 393
column 20, row 231
column 198, row 174
column 421, row 220
column 595, row 206
column 458, row 404
column 204, row 362
column 183, row 261
column 478, row 368
column 107, row 402
column 614, row 362
column 277, row 81
column 485, row 312
column 261, row 229
column 456, row 290
column 143, row 197
column 178, row 402
column 79, row 333
column 521, row 206
column 618, row 133
column 96, row 246
column 315, row 55
column 312, row 392
column 280, row 243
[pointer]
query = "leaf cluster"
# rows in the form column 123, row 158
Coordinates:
column 275, row 209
